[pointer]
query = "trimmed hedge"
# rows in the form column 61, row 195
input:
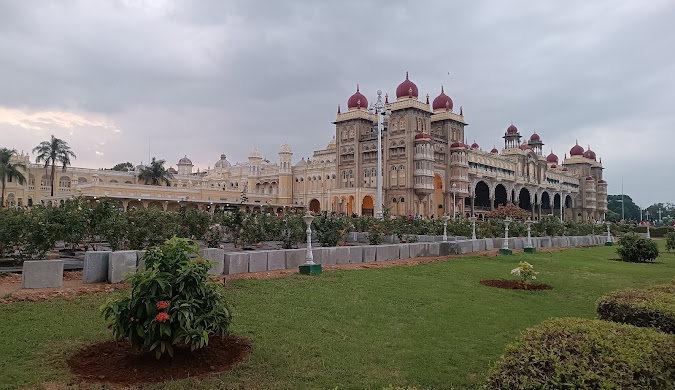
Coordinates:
column 653, row 307
column 637, row 249
column 576, row 353
column 654, row 231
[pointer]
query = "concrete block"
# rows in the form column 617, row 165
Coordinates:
column 478, row 245
column 448, row 248
column 217, row 255
column 545, row 242
column 120, row 264
column 459, row 238
column 390, row 239
column 489, row 244
column 425, row 238
column 341, row 255
column 518, row 243
column 362, row 237
column 352, row 236
column 369, row 253
column 415, row 249
column 386, row 252
column 434, row 248
column 355, row 254
column 295, row 257
column 403, row 251
column 276, row 260
column 464, row 246
column 328, row 256
column 140, row 262
column 42, row 274
column 95, row 268
column 257, row 261
column 236, row 263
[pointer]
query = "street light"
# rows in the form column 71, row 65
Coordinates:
column 453, row 189
column 379, row 109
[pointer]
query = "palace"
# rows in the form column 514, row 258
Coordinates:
column 427, row 169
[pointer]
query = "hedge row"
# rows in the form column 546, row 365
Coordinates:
column 575, row 353
column 653, row 307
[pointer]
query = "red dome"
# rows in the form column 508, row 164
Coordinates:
column 552, row 158
column 589, row 154
column 535, row 137
column 512, row 129
column 564, row 169
column 589, row 178
column 602, row 181
column 357, row 100
column 525, row 147
column 458, row 145
column 554, row 166
column 407, row 88
column 424, row 136
column 577, row 150
column 494, row 150
column 442, row 102
column 474, row 145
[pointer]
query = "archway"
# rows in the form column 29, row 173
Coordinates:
column 500, row 195
column 545, row 201
column 350, row 205
column 155, row 205
column 135, row 204
column 482, row 198
column 438, row 195
column 367, row 205
column 173, row 207
column 314, row 206
column 524, row 199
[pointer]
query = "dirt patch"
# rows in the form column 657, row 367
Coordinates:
column 119, row 364
column 515, row 285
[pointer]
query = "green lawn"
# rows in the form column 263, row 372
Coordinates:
column 431, row 325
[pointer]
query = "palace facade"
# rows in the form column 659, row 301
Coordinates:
column 427, row 169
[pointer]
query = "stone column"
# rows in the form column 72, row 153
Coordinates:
column 472, row 205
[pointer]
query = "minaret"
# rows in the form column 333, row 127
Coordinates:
column 511, row 137
column 423, row 178
column 254, row 161
column 285, row 195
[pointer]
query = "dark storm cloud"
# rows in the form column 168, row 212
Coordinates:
column 201, row 78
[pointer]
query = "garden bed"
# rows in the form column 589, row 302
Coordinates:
column 118, row 363
column 515, row 285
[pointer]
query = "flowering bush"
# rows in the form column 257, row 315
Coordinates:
column 670, row 241
column 173, row 302
column 213, row 236
column 329, row 230
column 637, row 249
column 375, row 234
column 526, row 271
column 510, row 210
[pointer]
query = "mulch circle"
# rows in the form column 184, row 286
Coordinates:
column 118, row 363
column 515, row 285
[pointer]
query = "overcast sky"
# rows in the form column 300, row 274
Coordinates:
column 121, row 79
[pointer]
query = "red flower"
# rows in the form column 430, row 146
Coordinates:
column 110, row 325
column 162, row 305
column 162, row 317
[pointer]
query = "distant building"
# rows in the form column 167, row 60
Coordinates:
column 424, row 155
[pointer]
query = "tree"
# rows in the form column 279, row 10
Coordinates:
column 630, row 209
column 510, row 210
column 123, row 167
column 9, row 171
column 155, row 173
column 51, row 152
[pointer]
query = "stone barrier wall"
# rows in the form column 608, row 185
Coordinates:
column 114, row 266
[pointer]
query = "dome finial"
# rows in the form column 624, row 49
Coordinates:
column 338, row 108
column 442, row 89
column 406, row 75
column 386, row 98
column 427, row 98
column 357, row 87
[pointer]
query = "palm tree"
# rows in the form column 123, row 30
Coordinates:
column 9, row 171
column 155, row 173
column 53, row 151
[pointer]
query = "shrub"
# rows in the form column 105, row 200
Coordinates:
column 510, row 210
column 173, row 302
column 329, row 230
column 670, row 241
column 526, row 271
column 637, row 249
column 653, row 307
column 575, row 353
column 375, row 234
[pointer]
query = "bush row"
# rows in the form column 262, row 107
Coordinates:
column 653, row 307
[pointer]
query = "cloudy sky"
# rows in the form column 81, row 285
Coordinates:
column 121, row 79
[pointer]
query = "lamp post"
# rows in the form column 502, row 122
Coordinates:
column 659, row 214
column 445, row 227
column 473, row 226
column 379, row 108
column 309, row 268
column 648, row 235
column 529, row 248
column 609, row 241
column 505, row 248
column 453, row 189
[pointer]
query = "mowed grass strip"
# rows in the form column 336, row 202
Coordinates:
column 431, row 325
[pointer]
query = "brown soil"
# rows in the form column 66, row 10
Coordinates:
column 119, row 364
column 515, row 285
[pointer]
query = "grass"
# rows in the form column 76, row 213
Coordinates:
column 432, row 326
